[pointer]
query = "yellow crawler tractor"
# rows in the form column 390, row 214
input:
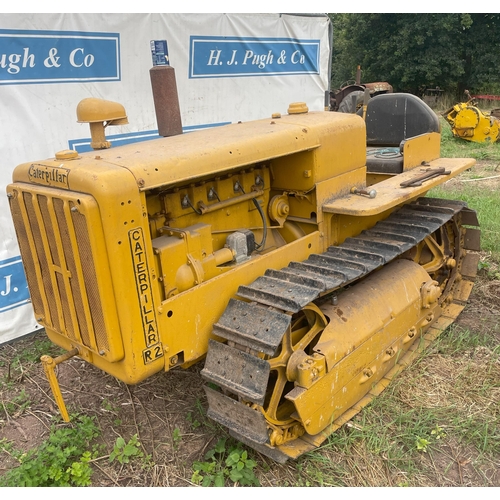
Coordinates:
column 302, row 275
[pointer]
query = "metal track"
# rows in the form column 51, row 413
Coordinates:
column 259, row 325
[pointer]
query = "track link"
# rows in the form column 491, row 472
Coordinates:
column 256, row 328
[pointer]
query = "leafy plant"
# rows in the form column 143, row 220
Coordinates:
column 62, row 460
column 36, row 350
column 241, row 468
column 483, row 265
column 5, row 445
column 422, row 444
column 492, row 273
column 17, row 404
column 222, row 464
column 437, row 432
column 193, row 421
column 125, row 451
column 176, row 437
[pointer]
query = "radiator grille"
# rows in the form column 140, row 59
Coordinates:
column 60, row 264
column 89, row 274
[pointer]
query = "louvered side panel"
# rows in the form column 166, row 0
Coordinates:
column 20, row 225
column 67, row 275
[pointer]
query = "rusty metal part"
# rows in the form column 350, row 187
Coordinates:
column 166, row 101
column 429, row 174
column 247, row 377
column 258, row 328
column 376, row 88
column 371, row 193
column 337, row 97
column 241, row 418
column 488, row 97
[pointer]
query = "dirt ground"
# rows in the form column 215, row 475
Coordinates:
column 167, row 412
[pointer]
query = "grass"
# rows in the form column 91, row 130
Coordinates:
column 14, row 399
column 445, row 402
column 487, row 206
column 22, row 360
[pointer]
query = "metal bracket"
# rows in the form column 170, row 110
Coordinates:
column 49, row 365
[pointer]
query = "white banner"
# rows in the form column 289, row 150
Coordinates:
column 229, row 68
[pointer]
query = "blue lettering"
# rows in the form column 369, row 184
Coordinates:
column 58, row 56
column 252, row 56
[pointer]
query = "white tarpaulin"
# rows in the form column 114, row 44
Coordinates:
column 229, row 68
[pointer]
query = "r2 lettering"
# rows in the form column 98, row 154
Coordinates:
column 152, row 354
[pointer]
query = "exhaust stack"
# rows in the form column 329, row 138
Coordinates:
column 164, row 87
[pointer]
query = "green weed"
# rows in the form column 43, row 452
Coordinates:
column 109, row 406
column 421, row 444
column 124, row 451
column 438, row 433
column 6, row 445
column 198, row 418
column 17, row 404
column 176, row 437
column 224, row 464
column 28, row 356
column 492, row 274
column 193, row 421
column 61, row 460
column 35, row 350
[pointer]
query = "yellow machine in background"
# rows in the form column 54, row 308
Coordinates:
column 470, row 123
column 258, row 247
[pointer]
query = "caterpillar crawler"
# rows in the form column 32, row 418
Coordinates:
column 303, row 269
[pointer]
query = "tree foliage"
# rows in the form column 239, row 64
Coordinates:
column 418, row 51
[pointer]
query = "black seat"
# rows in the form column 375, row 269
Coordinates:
column 390, row 119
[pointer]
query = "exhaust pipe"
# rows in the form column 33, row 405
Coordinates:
column 164, row 87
